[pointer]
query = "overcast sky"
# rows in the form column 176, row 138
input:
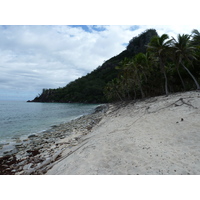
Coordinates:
column 37, row 57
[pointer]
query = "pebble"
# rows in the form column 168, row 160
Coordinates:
column 36, row 152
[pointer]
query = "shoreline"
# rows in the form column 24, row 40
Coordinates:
column 34, row 154
column 155, row 136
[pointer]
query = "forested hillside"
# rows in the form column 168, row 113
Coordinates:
column 90, row 88
column 151, row 65
column 169, row 65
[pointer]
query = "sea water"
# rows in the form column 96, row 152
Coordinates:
column 18, row 119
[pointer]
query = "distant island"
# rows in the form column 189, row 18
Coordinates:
column 151, row 65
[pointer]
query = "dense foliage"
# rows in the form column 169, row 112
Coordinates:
column 169, row 65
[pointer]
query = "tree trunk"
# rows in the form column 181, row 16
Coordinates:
column 141, row 90
column 118, row 95
column 166, row 88
column 135, row 94
column 197, row 84
column 164, row 73
column 181, row 78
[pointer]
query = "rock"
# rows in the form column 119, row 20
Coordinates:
column 19, row 157
column 54, row 126
column 9, row 150
column 20, row 173
column 3, row 144
column 74, row 143
column 18, row 141
column 29, row 171
column 33, row 152
column 44, row 163
column 32, row 136
column 53, row 147
column 19, row 145
column 22, row 163
column 56, row 155
column 100, row 108
column 27, row 167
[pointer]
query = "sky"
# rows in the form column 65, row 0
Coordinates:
column 47, row 44
column 33, row 57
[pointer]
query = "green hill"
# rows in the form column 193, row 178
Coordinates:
column 90, row 88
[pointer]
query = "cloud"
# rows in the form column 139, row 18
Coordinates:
column 37, row 57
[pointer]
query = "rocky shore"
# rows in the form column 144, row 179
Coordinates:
column 153, row 136
column 38, row 153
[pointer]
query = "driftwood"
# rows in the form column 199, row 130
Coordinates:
column 175, row 103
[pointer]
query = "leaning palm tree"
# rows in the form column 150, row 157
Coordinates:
column 159, row 46
column 175, row 58
column 195, row 38
column 185, row 51
column 196, row 42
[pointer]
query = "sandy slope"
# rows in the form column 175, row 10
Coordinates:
column 160, row 135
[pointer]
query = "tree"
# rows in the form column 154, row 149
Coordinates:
column 175, row 59
column 185, row 52
column 159, row 46
column 195, row 38
column 112, row 90
column 196, row 42
column 140, row 70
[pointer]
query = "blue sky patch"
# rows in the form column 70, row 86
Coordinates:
column 89, row 28
column 84, row 27
column 135, row 27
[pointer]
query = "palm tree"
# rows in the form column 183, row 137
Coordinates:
column 134, row 73
column 159, row 46
column 174, row 57
column 196, row 42
column 185, row 52
column 125, row 76
column 195, row 38
column 140, row 70
column 112, row 90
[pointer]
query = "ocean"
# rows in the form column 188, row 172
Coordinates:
column 20, row 119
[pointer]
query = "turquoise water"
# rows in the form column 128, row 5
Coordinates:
column 22, row 119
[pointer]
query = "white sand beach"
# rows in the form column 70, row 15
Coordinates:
column 159, row 135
